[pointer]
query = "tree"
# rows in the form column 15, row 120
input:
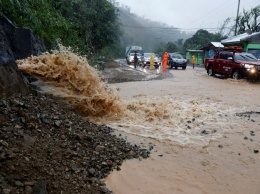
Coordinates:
column 39, row 16
column 96, row 21
column 249, row 20
column 85, row 25
column 180, row 44
column 171, row 47
column 224, row 30
column 200, row 39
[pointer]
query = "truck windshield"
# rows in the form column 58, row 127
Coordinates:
column 244, row 57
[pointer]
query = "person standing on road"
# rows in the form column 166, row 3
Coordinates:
column 165, row 59
column 193, row 60
column 152, row 62
column 135, row 60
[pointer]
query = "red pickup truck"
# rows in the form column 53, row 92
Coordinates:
column 235, row 63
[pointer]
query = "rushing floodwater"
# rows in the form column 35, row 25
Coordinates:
column 69, row 76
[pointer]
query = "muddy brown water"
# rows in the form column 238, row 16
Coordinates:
column 200, row 143
column 209, row 143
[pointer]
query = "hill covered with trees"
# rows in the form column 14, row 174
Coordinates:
column 151, row 35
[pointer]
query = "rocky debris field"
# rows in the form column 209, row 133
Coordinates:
column 46, row 148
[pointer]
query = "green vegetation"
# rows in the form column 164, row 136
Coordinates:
column 202, row 38
column 87, row 26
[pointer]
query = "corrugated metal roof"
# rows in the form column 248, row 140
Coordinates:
column 234, row 38
column 190, row 50
column 217, row 44
column 251, row 36
column 238, row 38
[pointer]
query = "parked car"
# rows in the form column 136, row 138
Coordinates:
column 146, row 57
column 235, row 63
column 176, row 60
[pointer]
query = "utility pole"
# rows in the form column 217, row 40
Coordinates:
column 237, row 17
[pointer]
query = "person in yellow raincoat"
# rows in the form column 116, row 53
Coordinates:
column 152, row 62
column 193, row 60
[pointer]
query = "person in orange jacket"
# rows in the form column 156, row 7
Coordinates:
column 165, row 59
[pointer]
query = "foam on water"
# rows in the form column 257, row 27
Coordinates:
column 184, row 122
column 69, row 76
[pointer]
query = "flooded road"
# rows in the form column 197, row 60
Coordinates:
column 200, row 145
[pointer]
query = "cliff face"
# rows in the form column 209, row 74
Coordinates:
column 15, row 43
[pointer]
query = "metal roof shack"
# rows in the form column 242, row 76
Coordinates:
column 217, row 44
column 241, row 39
column 199, row 55
column 213, row 45
column 249, row 42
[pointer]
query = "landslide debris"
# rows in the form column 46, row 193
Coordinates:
column 46, row 148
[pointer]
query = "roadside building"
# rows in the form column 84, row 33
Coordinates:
column 199, row 55
column 211, row 49
column 207, row 51
column 249, row 42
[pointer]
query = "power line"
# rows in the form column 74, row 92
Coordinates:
column 209, row 12
column 169, row 28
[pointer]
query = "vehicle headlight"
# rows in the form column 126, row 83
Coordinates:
column 252, row 70
column 247, row 66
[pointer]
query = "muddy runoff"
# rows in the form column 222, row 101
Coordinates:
column 202, row 140
column 70, row 77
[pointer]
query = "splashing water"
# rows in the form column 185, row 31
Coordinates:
column 71, row 77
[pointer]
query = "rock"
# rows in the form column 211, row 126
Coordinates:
column 40, row 187
column 92, row 171
column 100, row 148
column 6, row 191
column 204, row 132
column 6, row 54
column 15, row 43
column 57, row 123
column 145, row 153
column 104, row 189
column 26, row 43
column 28, row 183
column 11, row 79
column 46, row 121
column 28, row 140
column 220, row 146
column 3, row 143
column 22, row 40
column 18, row 183
column 28, row 190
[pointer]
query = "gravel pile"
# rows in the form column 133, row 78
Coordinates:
column 46, row 148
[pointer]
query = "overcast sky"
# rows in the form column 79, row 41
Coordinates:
column 189, row 15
